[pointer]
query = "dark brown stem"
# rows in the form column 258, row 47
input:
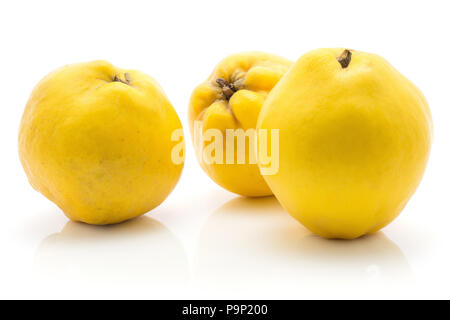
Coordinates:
column 126, row 76
column 345, row 58
column 228, row 89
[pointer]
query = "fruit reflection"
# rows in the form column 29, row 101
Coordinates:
column 253, row 245
column 141, row 252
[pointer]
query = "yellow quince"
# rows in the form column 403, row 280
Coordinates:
column 229, row 100
column 354, row 140
column 103, row 143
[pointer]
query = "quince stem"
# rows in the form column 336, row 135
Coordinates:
column 345, row 58
column 228, row 89
column 126, row 76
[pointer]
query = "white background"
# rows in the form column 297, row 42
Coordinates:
column 204, row 242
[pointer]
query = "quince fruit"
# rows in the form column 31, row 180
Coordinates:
column 231, row 99
column 98, row 140
column 354, row 140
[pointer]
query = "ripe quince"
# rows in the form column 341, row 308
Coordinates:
column 98, row 140
column 354, row 140
column 231, row 99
